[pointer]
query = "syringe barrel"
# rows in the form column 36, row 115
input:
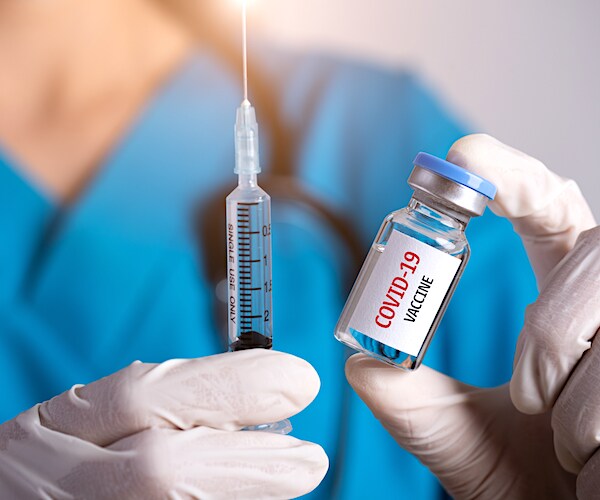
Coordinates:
column 249, row 274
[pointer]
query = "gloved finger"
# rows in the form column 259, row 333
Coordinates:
column 202, row 463
column 547, row 211
column 576, row 414
column 434, row 417
column 559, row 327
column 37, row 462
column 34, row 459
column 588, row 480
column 225, row 391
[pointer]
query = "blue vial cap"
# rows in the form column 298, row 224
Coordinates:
column 455, row 174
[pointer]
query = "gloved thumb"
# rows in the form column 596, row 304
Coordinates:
column 548, row 211
column 440, row 420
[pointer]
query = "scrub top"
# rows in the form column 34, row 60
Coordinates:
column 119, row 274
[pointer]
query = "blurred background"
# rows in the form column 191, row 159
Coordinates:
column 526, row 72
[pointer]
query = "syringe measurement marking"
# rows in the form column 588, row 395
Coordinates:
column 246, row 306
column 245, row 272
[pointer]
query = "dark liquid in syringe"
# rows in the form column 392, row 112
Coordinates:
column 251, row 340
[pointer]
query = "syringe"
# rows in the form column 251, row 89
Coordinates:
column 248, row 235
column 248, row 243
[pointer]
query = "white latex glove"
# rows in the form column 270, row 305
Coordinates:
column 514, row 441
column 168, row 431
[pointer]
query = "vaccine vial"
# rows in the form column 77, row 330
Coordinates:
column 414, row 265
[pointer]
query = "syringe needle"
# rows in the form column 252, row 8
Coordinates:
column 246, row 127
column 244, row 51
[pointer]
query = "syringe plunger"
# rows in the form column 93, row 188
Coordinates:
column 246, row 140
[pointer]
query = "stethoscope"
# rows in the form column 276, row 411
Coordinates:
column 281, row 181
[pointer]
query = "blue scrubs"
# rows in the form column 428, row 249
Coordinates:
column 118, row 275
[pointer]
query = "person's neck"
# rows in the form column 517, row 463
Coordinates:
column 67, row 53
column 73, row 75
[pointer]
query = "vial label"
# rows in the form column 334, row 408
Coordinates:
column 404, row 293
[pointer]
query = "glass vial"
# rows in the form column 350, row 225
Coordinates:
column 414, row 265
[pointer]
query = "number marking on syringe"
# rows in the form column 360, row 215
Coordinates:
column 245, row 255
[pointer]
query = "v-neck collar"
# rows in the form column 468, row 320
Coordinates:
column 16, row 168
column 24, row 215
column 98, row 259
column 19, row 179
column 40, row 218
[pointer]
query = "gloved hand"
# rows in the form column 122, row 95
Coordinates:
column 168, row 431
column 537, row 437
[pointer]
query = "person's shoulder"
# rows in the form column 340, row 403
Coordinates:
column 351, row 80
column 394, row 102
column 287, row 62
